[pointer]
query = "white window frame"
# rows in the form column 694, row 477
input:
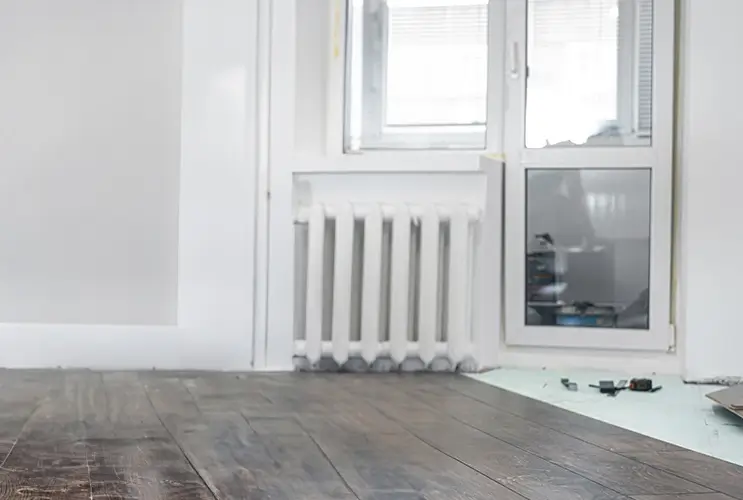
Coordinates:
column 658, row 156
column 415, row 144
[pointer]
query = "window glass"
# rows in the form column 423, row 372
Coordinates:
column 417, row 74
column 588, row 247
column 589, row 73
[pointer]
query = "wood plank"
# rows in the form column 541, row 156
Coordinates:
column 52, row 458
column 275, row 426
column 730, row 398
column 402, row 466
column 693, row 496
column 524, row 473
column 601, row 434
column 227, row 392
column 136, row 457
column 237, row 463
column 21, row 392
column 609, row 469
column 170, row 398
column 715, row 474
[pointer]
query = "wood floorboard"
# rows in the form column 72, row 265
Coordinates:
column 585, row 428
column 715, row 474
column 135, row 455
column 195, row 435
column 402, row 466
column 617, row 472
column 691, row 496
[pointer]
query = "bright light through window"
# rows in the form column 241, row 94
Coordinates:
column 418, row 73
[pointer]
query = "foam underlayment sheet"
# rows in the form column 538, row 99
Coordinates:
column 679, row 413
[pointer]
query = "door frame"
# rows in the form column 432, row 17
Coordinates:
column 658, row 157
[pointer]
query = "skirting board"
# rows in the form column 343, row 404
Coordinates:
column 123, row 347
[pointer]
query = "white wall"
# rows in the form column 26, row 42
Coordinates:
column 710, row 180
column 128, row 150
column 89, row 157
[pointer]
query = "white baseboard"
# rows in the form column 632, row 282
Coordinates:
column 123, row 347
column 617, row 361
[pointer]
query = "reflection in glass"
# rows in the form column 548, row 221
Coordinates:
column 590, row 73
column 588, row 247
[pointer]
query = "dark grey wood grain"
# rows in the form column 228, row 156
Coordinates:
column 717, row 475
column 136, row 457
column 527, row 474
column 196, row 435
column 51, row 458
column 238, row 463
column 401, row 466
column 584, row 428
column 691, row 496
column 609, row 469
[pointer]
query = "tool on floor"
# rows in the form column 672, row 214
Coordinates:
column 607, row 387
column 571, row 386
column 636, row 384
column 643, row 385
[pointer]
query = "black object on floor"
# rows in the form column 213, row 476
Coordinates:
column 643, row 385
column 571, row 386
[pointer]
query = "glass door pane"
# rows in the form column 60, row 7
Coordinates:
column 587, row 247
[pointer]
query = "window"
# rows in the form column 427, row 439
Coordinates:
column 417, row 74
column 590, row 73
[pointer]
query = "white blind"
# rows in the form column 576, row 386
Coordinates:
column 645, row 67
column 573, row 69
column 436, row 62
column 577, row 65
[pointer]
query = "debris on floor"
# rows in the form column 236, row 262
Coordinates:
column 571, row 386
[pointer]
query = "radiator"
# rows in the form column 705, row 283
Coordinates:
column 391, row 285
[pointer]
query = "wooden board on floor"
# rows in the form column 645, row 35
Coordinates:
column 730, row 398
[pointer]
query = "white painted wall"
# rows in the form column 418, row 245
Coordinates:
column 90, row 95
column 134, row 148
column 710, row 180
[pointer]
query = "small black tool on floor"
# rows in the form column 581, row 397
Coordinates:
column 636, row 384
column 571, row 386
column 643, row 385
column 607, row 387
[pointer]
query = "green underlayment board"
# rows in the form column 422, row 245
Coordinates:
column 679, row 413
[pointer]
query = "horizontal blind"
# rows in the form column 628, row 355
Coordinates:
column 436, row 62
column 645, row 67
column 572, row 89
column 436, row 25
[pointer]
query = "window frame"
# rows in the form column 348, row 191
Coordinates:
column 657, row 156
column 469, row 141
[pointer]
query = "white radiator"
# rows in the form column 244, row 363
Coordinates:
column 386, row 282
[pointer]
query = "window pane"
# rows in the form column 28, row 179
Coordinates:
column 588, row 247
column 417, row 72
column 590, row 73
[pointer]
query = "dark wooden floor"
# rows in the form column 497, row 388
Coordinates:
column 70, row 435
